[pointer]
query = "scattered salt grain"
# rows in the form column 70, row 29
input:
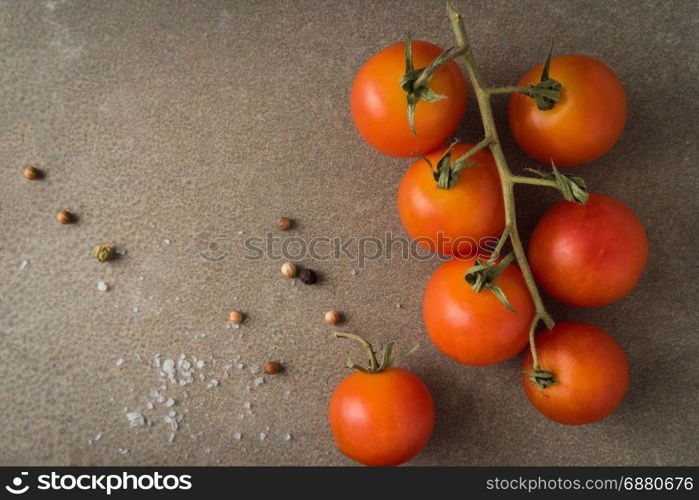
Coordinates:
column 120, row 251
column 247, row 405
column 263, row 436
column 287, row 437
column 237, row 436
column 149, row 405
column 171, row 437
column 119, row 362
column 398, row 306
column 212, row 383
column 123, row 451
column 200, row 363
column 97, row 437
column 254, row 369
column 102, row 286
column 169, row 402
column 135, row 310
column 135, row 418
column 23, row 264
column 168, row 366
column 259, row 381
column 167, row 241
column 353, row 272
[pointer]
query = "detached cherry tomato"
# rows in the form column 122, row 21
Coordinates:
column 452, row 221
column 475, row 328
column 379, row 106
column 383, row 418
column 588, row 255
column 583, row 125
column 590, row 369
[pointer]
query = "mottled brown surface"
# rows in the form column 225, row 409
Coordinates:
column 185, row 120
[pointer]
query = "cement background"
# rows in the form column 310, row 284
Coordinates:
column 186, row 120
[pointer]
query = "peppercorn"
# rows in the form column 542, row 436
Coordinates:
column 283, row 223
column 236, row 317
column 65, row 217
column 289, row 269
column 32, row 173
column 105, row 252
column 308, row 276
column 333, row 317
column 272, row 367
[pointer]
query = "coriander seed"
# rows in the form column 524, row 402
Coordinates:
column 65, row 217
column 289, row 269
column 308, row 276
column 333, row 317
column 104, row 252
column 272, row 367
column 236, row 317
column 283, row 223
column 32, row 173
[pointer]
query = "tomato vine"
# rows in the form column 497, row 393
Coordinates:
column 566, row 184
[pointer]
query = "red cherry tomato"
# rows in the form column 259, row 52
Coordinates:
column 583, row 125
column 590, row 369
column 475, row 328
column 379, row 106
column 453, row 221
column 588, row 255
column 381, row 419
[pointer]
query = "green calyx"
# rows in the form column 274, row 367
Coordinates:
column 572, row 187
column 415, row 81
column 547, row 92
column 387, row 360
column 482, row 276
column 541, row 379
column 446, row 172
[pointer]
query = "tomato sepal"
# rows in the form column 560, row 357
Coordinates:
column 387, row 360
column 482, row 276
column 573, row 188
column 414, row 81
column 547, row 92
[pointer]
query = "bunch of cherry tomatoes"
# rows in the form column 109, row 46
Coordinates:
column 582, row 254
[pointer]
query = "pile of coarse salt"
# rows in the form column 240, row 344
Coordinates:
column 166, row 403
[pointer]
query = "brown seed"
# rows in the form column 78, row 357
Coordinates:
column 236, row 317
column 308, row 276
column 289, row 269
column 272, row 367
column 32, row 173
column 64, row 217
column 283, row 223
column 333, row 317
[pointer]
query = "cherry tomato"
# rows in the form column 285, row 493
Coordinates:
column 452, row 221
column 379, row 106
column 590, row 369
column 588, row 255
column 383, row 418
column 475, row 328
column 583, row 125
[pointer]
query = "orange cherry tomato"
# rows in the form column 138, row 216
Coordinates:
column 379, row 106
column 453, row 221
column 383, row 418
column 590, row 369
column 583, row 125
column 475, row 328
column 588, row 255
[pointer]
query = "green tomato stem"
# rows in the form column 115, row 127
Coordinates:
column 507, row 179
